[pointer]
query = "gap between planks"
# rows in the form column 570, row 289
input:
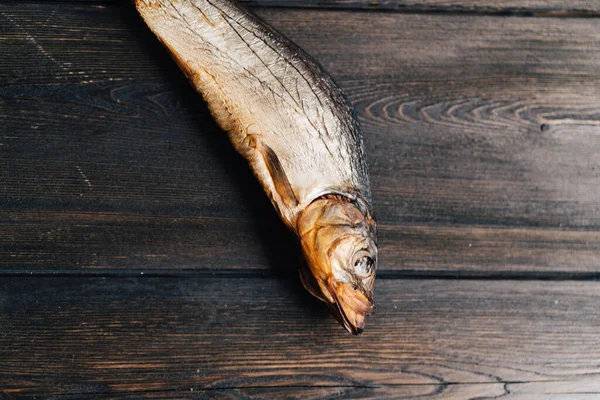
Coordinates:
column 266, row 274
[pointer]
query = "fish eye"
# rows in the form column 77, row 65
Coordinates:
column 364, row 266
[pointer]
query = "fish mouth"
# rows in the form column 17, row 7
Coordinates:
column 350, row 306
column 347, row 304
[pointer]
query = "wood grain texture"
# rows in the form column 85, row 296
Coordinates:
column 529, row 8
column 162, row 337
column 482, row 136
column 555, row 390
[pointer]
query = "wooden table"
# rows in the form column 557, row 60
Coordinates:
column 140, row 259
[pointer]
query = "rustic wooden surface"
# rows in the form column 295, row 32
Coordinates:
column 533, row 8
column 431, row 338
column 540, row 8
column 140, row 259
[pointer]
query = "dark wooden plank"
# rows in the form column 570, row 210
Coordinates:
column 444, row 339
column 534, row 8
column 488, row 250
column 539, row 8
column 575, row 389
column 482, row 136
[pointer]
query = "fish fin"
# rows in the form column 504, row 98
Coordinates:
column 309, row 283
column 280, row 179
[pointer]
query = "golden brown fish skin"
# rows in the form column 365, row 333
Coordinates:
column 292, row 123
column 338, row 239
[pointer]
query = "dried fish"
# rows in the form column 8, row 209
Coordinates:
column 293, row 124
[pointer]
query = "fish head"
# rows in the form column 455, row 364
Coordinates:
column 338, row 240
